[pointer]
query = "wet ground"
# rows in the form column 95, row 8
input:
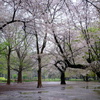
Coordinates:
column 51, row 91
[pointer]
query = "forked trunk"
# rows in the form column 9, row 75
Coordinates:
column 63, row 78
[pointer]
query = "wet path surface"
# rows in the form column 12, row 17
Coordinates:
column 51, row 91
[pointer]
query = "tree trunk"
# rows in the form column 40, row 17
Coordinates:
column 63, row 78
column 19, row 80
column 8, row 66
column 84, row 78
column 39, row 79
column 87, row 78
column 98, row 74
column 8, row 77
column 39, row 85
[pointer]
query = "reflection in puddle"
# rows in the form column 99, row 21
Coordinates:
column 86, row 87
column 42, row 91
column 91, row 87
column 69, row 87
column 33, row 92
column 28, row 97
column 25, row 92
column 97, row 91
column 76, row 99
column 63, row 88
column 39, row 98
column 97, row 87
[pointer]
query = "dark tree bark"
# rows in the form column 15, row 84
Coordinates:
column 39, row 85
column 8, row 77
column 87, row 78
column 98, row 74
column 63, row 78
column 39, row 79
column 8, row 65
column 79, row 66
column 84, row 79
column 19, row 80
column 21, row 57
column 62, row 70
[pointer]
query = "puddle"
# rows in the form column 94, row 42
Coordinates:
column 33, row 92
column 3, row 95
column 25, row 92
column 76, row 99
column 63, row 88
column 27, row 97
column 87, row 87
column 91, row 87
column 97, row 91
column 97, row 87
column 39, row 98
column 42, row 91
column 69, row 87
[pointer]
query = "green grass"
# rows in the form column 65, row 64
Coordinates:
column 35, row 79
column 4, row 80
column 75, row 79
column 28, row 80
column 56, row 79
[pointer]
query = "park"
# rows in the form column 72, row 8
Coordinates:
column 50, row 49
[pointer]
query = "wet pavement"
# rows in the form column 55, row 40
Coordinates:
column 51, row 91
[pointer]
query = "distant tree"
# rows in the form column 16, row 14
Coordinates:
column 39, row 53
column 7, row 50
column 89, row 28
column 6, row 20
column 66, row 61
column 24, row 63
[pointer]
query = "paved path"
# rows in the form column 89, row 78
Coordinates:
column 51, row 91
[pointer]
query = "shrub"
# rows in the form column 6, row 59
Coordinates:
column 2, row 79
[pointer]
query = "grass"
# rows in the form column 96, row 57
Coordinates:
column 4, row 80
column 28, row 80
column 75, row 79
column 56, row 79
